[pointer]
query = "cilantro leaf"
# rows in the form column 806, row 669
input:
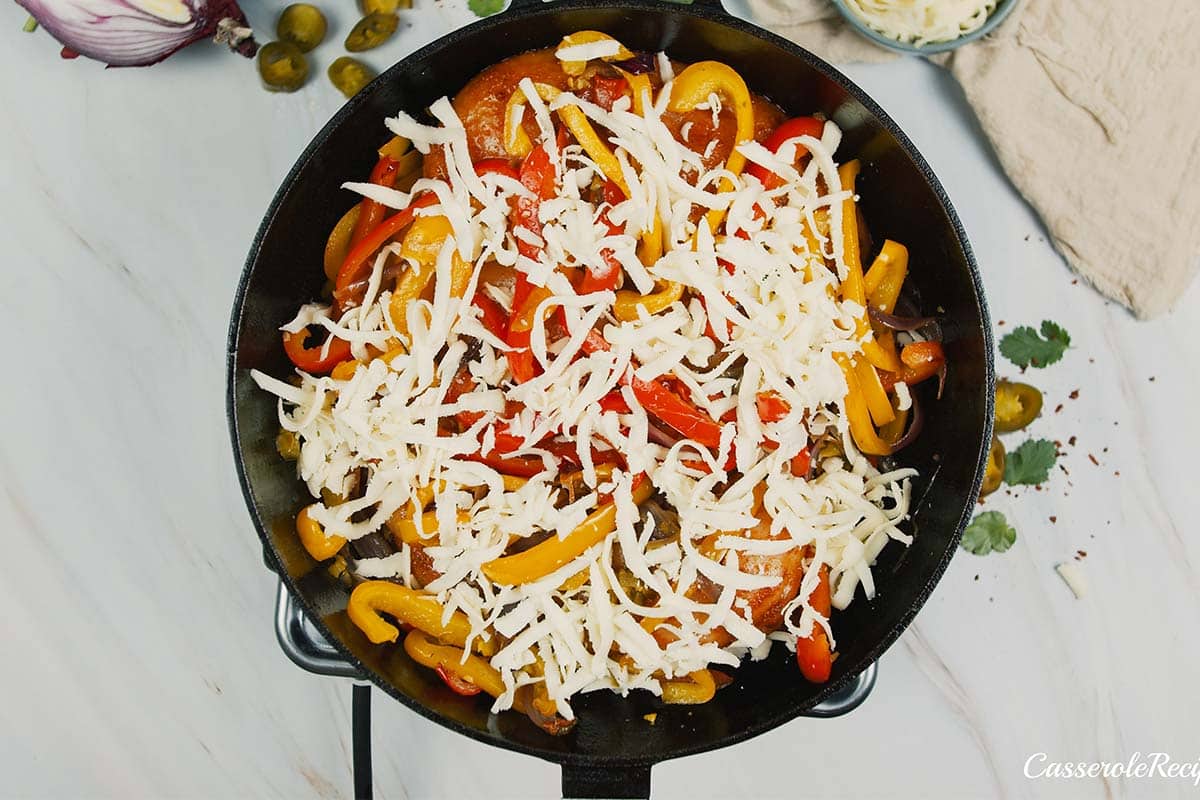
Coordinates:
column 989, row 532
column 1024, row 347
column 1031, row 462
column 485, row 8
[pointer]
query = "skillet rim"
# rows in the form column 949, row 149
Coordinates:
column 712, row 11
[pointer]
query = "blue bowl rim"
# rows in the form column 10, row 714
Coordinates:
column 999, row 14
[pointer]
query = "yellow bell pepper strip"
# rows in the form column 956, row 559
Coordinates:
column 894, row 430
column 886, row 276
column 700, row 687
column 319, row 545
column 592, row 144
column 640, row 86
column 423, row 244
column 338, row 243
column 861, row 429
column 463, row 677
column 542, row 559
column 883, row 282
column 650, row 245
column 406, row 530
column 395, row 147
column 853, row 287
column 345, row 370
column 418, row 609
column 692, row 87
column 874, row 394
column 518, row 144
column 625, row 307
column 516, row 140
column 577, row 68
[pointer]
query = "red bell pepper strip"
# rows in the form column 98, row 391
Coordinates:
column 606, row 91
column 608, row 277
column 536, row 175
column 520, row 466
column 371, row 212
column 771, row 407
column 457, row 685
column 496, row 166
column 802, row 463
column 799, row 126
column 357, row 260
column 310, row 359
column 613, row 401
column 812, row 651
column 494, row 317
column 665, row 404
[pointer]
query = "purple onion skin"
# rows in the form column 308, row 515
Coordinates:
column 914, row 426
column 119, row 34
column 897, row 323
column 639, row 64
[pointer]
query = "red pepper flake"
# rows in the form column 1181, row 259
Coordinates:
column 976, row 577
column 1092, row 458
column 1000, row 324
column 68, row 53
column 1058, row 408
column 1152, row 379
column 1074, row 395
column 1116, row 473
column 1053, row 519
column 1071, row 441
column 1080, row 555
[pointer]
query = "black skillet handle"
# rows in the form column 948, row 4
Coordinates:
column 612, row 783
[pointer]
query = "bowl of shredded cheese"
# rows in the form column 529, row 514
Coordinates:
column 924, row 27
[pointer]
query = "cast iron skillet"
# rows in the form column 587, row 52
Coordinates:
column 611, row 750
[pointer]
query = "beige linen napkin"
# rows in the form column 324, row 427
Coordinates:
column 1094, row 110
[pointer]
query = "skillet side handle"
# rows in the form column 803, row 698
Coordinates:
column 611, row 783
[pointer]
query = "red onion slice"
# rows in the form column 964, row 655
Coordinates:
column 914, row 426
column 897, row 323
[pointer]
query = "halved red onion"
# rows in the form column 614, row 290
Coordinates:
column 136, row 33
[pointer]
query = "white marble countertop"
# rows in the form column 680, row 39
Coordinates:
column 140, row 659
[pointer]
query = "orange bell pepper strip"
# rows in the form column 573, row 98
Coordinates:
column 544, row 558
column 920, row 362
column 812, row 652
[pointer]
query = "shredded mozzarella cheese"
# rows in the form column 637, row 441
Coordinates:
column 774, row 316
